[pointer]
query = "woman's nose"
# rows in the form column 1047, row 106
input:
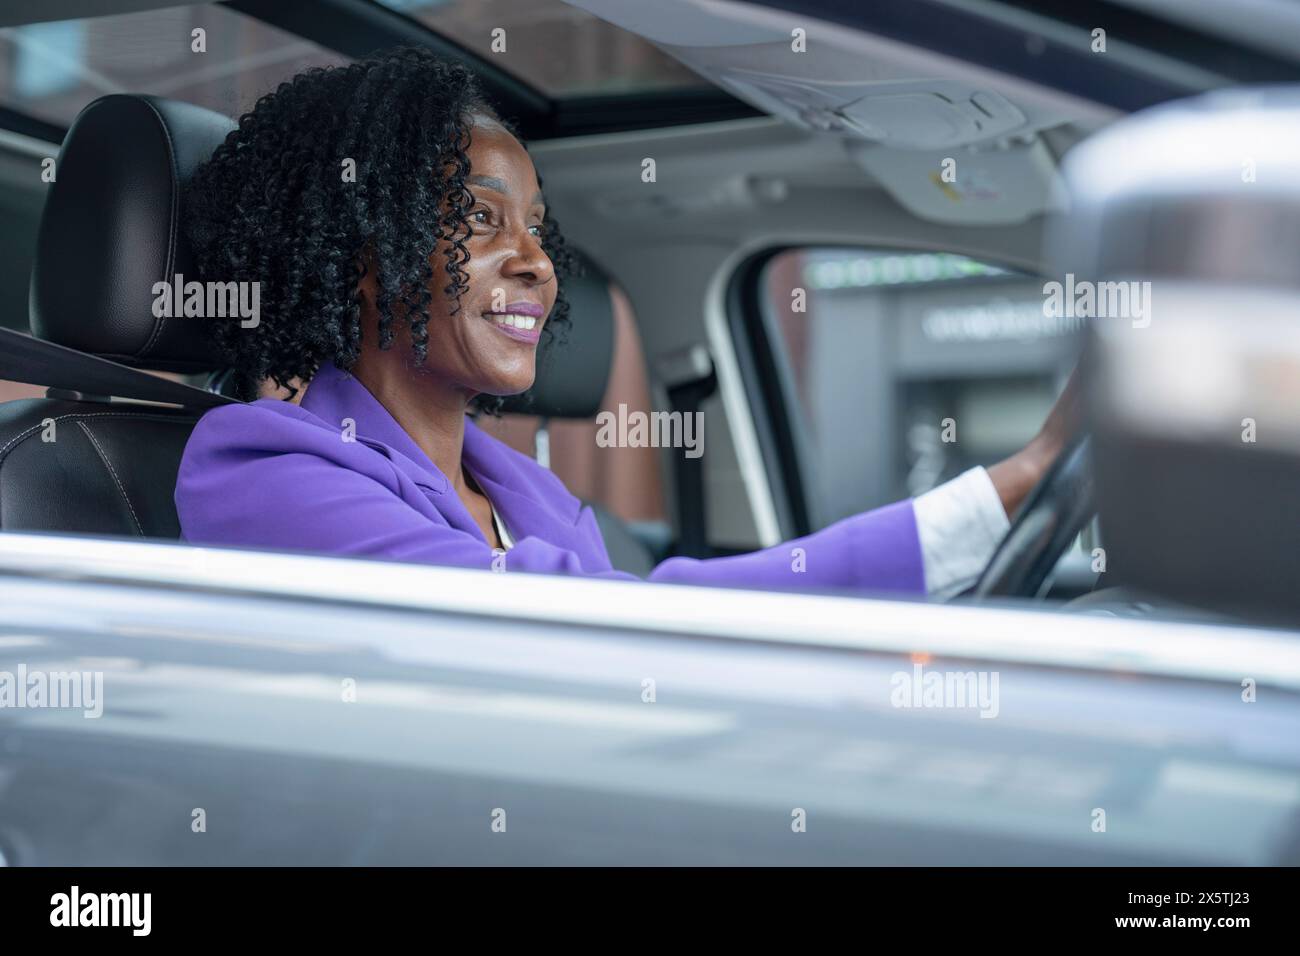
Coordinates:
column 531, row 261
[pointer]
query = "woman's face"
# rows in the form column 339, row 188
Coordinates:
column 490, row 345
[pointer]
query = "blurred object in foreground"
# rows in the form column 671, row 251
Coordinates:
column 1189, row 215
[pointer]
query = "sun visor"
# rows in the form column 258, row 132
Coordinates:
column 1003, row 184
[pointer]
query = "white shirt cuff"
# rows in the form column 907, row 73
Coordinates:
column 960, row 524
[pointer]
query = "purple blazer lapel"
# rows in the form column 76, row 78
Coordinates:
column 531, row 500
column 335, row 396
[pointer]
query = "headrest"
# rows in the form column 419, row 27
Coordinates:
column 573, row 367
column 111, row 229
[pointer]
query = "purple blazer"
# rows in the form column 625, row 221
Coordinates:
column 271, row 474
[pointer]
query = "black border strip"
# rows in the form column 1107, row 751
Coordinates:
column 584, row 115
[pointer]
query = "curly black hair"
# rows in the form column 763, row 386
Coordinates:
column 271, row 206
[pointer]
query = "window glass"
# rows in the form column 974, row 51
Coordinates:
column 51, row 70
column 904, row 369
column 555, row 47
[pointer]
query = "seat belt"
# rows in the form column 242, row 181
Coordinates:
column 33, row 361
column 690, row 378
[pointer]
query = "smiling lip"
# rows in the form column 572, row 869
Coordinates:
column 512, row 319
column 523, row 335
column 516, row 324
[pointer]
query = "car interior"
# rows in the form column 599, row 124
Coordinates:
column 768, row 234
column 775, row 177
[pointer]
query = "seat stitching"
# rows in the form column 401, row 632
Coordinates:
column 58, row 418
column 171, row 225
column 116, row 480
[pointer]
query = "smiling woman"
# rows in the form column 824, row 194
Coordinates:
column 363, row 218
column 409, row 270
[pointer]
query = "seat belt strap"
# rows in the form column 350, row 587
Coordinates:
column 34, row 361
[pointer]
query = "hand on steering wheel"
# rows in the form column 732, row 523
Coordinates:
column 1055, row 511
column 1047, row 489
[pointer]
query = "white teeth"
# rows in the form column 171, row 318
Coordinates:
column 517, row 321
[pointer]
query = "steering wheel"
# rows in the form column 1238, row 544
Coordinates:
column 1058, row 508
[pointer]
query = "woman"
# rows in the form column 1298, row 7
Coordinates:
column 417, row 290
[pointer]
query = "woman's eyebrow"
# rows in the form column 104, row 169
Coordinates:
column 490, row 182
column 498, row 185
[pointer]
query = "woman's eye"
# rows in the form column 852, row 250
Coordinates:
column 476, row 214
column 539, row 230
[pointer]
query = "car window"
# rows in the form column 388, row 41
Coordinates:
column 523, row 38
column 224, row 61
column 902, row 369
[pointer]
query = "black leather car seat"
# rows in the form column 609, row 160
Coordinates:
column 109, row 231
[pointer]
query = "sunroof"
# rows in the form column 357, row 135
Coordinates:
column 51, row 70
column 557, row 48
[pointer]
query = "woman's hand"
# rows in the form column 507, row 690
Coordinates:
column 1016, row 476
